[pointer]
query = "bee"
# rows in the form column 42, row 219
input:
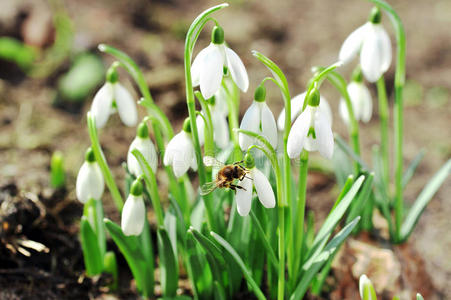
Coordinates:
column 225, row 177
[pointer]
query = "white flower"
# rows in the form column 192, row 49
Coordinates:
column 363, row 282
column 311, row 131
column 373, row 43
column 208, row 66
column 259, row 119
column 264, row 192
column 180, row 153
column 362, row 104
column 296, row 108
column 134, row 211
column 219, row 113
column 146, row 147
column 90, row 183
column 102, row 105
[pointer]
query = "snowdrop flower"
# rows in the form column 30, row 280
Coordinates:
column 255, row 178
column 311, row 131
column 373, row 43
column 219, row 112
column 297, row 103
column 365, row 284
column 112, row 97
column 134, row 211
column 90, row 182
column 362, row 104
column 143, row 143
column 180, row 153
column 208, row 66
column 259, row 119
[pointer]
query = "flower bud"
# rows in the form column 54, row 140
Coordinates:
column 217, row 35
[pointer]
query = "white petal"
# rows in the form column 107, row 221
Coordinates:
column 133, row 215
column 250, row 122
column 90, row 182
column 264, row 190
column 298, row 133
column 324, row 136
column 101, row 105
column 146, row 147
column 385, row 43
column 355, row 94
column 269, row 127
column 371, row 55
column 352, row 44
column 171, row 149
column 364, row 281
column 126, row 106
column 221, row 104
column 237, row 69
column 367, row 104
column 183, row 154
column 221, row 130
column 343, row 110
column 197, row 66
column 325, row 109
column 212, row 71
column 244, row 197
column 296, row 107
column 200, row 129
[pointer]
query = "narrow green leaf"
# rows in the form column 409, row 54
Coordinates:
column 423, row 199
column 57, row 174
column 332, row 220
column 264, row 239
column 419, row 297
column 110, row 267
column 169, row 268
column 93, row 210
column 247, row 274
column 91, row 252
column 131, row 249
column 345, row 147
column 412, row 168
column 200, row 271
column 314, row 264
column 361, row 200
column 219, row 291
column 346, row 187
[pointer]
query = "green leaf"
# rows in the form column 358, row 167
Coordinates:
column 314, row 264
column 169, row 267
column 200, row 271
column 131, row 249
column 264, row 239
column 423, row 199
column 110, row 267
column 17, row 52
column 57, row 174
column 247, row 274
column 331, row 221
column 361, row 200
column 419, row 297
column 93, row 211
column 345, row 147
column 412, row 168
column 91, row 252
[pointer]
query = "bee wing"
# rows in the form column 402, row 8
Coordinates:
column 210, row 161
column 207, row 188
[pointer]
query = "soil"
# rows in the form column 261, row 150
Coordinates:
column 295, row 34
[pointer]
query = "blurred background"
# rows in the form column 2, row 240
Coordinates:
column 50, row 69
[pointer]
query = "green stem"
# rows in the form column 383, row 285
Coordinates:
column 298, row 235
column 281, row 278
column 100, row 158
column 400, row 76
column 383, row 115
column 209, row 148
column 191, row 37
column 233, row 107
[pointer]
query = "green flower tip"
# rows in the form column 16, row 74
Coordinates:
column 89, row 155
column 187, row 125
column 217, row 35
column 375, row 15
column 111, row 74
column 357, row 75
column 260, row 93
column 249, row 161
column 142, row 131
column 314, row 97
column 137, row 188
column 211, row 100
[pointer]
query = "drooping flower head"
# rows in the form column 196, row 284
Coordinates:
column 180, row 153
column 360, row 96
column 90, row 183
column 219, row 111
column 255, row 178
column 208, row 66
column 311, row 131
column 112, row 97
column 259, row 119
column 297, row 103
column 134, row 211
column 373, row 43
column 143, row 143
